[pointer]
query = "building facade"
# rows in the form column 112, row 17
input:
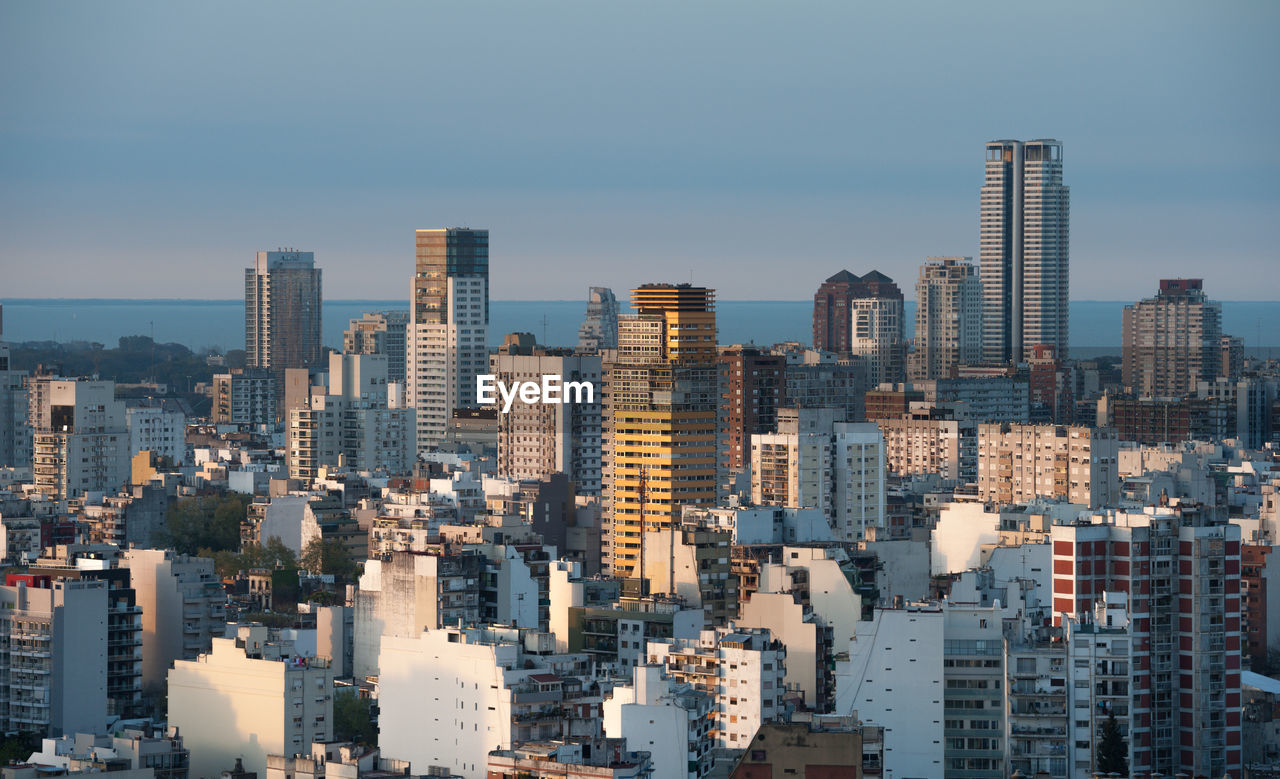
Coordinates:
column 244, row 396
column 1182, row 577
column 814, row 461
column 752, row 384
column 15, row 433
column 183, row 608
column 660, row 417
column 351, row 424
column 80, row 440
column 380, row 332
column 833, row 307
column 54, row 637
column 599, row 330
column 1020, row 463
column 282, row 302
column 448, row 327
column 948, row 318
column 1024, row 234
column 536, row 440
column 877, row 335
column 232, row 707
column 1171, row 341
column 157, row 430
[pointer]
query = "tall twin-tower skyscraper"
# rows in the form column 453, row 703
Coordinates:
column 1024, row 249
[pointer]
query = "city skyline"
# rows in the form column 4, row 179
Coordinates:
column 665, row 161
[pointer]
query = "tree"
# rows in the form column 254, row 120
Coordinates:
column 353, row 719
column 328, row 556
column 1113, row 753
column 211, row 522
column 1267, row 664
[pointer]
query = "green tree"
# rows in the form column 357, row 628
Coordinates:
column 209, row 522
column 353, row 719
column 1113, row 753
column 225, row 562
column 18, row 747
column 328, row 556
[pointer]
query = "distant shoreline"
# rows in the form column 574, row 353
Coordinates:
column 218, row 324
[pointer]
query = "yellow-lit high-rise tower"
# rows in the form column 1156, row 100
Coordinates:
column 660, row 417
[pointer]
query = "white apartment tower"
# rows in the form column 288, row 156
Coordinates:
column 53, row 671
column 948, row 318
column 157, row 430
column 816, row 462
column 80, row 441
column 380, row 332
column 448, row 327
column 876, row 335
column 351, row 424
column 1024, row 252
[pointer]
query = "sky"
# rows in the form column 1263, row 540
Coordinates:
column 148, row 149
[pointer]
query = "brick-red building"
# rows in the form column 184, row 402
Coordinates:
column 1182, row 576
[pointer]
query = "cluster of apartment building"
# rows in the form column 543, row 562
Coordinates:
column 960, row 555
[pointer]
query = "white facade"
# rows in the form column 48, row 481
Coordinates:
column 876, row 335
column 227, row 705
column 893, row 678
column 291, row 519
column 444, row 358
column 352, row 424
column 836, row 467
column 445, row 699
column 1099, row 680
column 81, row 440
column 406, row 594
column 159, row 431
column 742, row 669
column 859, row 473
column 948, row 318
column 809, row 605
column 658, row 716
column 183, row 608
column 54, row 670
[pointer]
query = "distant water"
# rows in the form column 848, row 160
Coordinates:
column 201, row 324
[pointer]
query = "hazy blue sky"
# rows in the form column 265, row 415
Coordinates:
column 148, row 149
